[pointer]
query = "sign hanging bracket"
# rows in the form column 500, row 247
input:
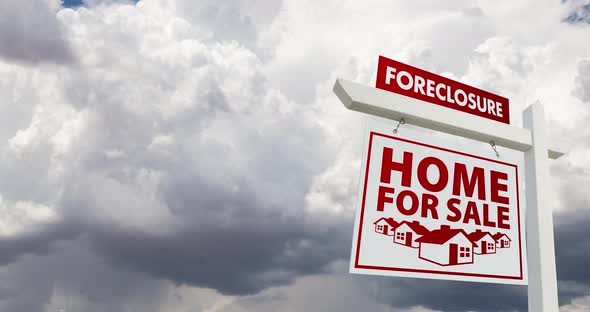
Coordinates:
column 495, row 148
column 402, row 121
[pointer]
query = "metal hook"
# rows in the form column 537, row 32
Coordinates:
column 400, row 122
column 493, row 144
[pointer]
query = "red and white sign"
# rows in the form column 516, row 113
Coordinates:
column 422, row 85
column 434, row 211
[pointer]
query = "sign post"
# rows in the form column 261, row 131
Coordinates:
column 433, row 114
column 542, row 289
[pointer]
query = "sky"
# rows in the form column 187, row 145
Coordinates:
column 181, row 155
column 78, row 3
column 72, row 3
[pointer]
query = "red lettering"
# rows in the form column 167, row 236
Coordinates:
column 451, row 205
column 496, row 187
column 486, row 216
column 503, row 218
column 388, row 165
column 400, row 202
column 469, row 182
column 471, row 213
column 382, row 198
column 443, row 177
column 429, row 203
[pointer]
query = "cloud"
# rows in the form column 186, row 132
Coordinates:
column 571, row 251
column 68, row 276
column 196, row 150
column 87, row 282
column 582, row 81
column 30, row 33
column 160, row 140
column 320, row 292
column 578, row 305
column 579, row 12
column 233, row 259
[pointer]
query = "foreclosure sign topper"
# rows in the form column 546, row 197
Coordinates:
column 414, row 82
column 438, row 211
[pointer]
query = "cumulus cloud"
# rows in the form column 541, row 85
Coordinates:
column 582, row 81
column 195, row 149
column 579, row 305
column 30, row 32
column 160, row 140
column 237, row 20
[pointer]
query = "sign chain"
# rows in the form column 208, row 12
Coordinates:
column 400, row 122
column 493, row 144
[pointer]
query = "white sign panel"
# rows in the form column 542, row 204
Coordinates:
column 434, row 210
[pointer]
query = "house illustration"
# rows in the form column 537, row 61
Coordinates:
column 406, row 233
column 385, row 226
column 502, row 240
column 486, row 244
column 446, row 246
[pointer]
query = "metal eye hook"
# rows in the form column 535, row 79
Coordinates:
column 400, row 122
column 493, row 144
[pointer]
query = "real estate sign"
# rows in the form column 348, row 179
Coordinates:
column 434, row 210
column 414, row 82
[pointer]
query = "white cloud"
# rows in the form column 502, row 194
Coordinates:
column 578, row 305
column 55, row 4
column 582, row 81
column 18, row 218
column 183, row 119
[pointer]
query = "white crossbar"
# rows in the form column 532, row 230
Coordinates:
column 390, row 105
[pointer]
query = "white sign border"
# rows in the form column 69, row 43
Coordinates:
column 375, row 126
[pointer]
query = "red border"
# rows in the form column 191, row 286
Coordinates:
column 358, row 245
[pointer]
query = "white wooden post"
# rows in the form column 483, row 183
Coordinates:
column 542, row 289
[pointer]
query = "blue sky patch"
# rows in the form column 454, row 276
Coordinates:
column 72, row 3
column 77, row 3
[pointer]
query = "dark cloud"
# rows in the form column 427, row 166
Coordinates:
column 261, row 251
column 236, row 259
column 38, row 241
column 228, row 241
column 31, row 33
column 251, row 256
column 452, row 296
column 173, row 161
column 572, row 249
column 70, row 277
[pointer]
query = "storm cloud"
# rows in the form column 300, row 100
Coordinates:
column 175, row 155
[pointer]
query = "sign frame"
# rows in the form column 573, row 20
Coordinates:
column 377, row 131
column 542, row 277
